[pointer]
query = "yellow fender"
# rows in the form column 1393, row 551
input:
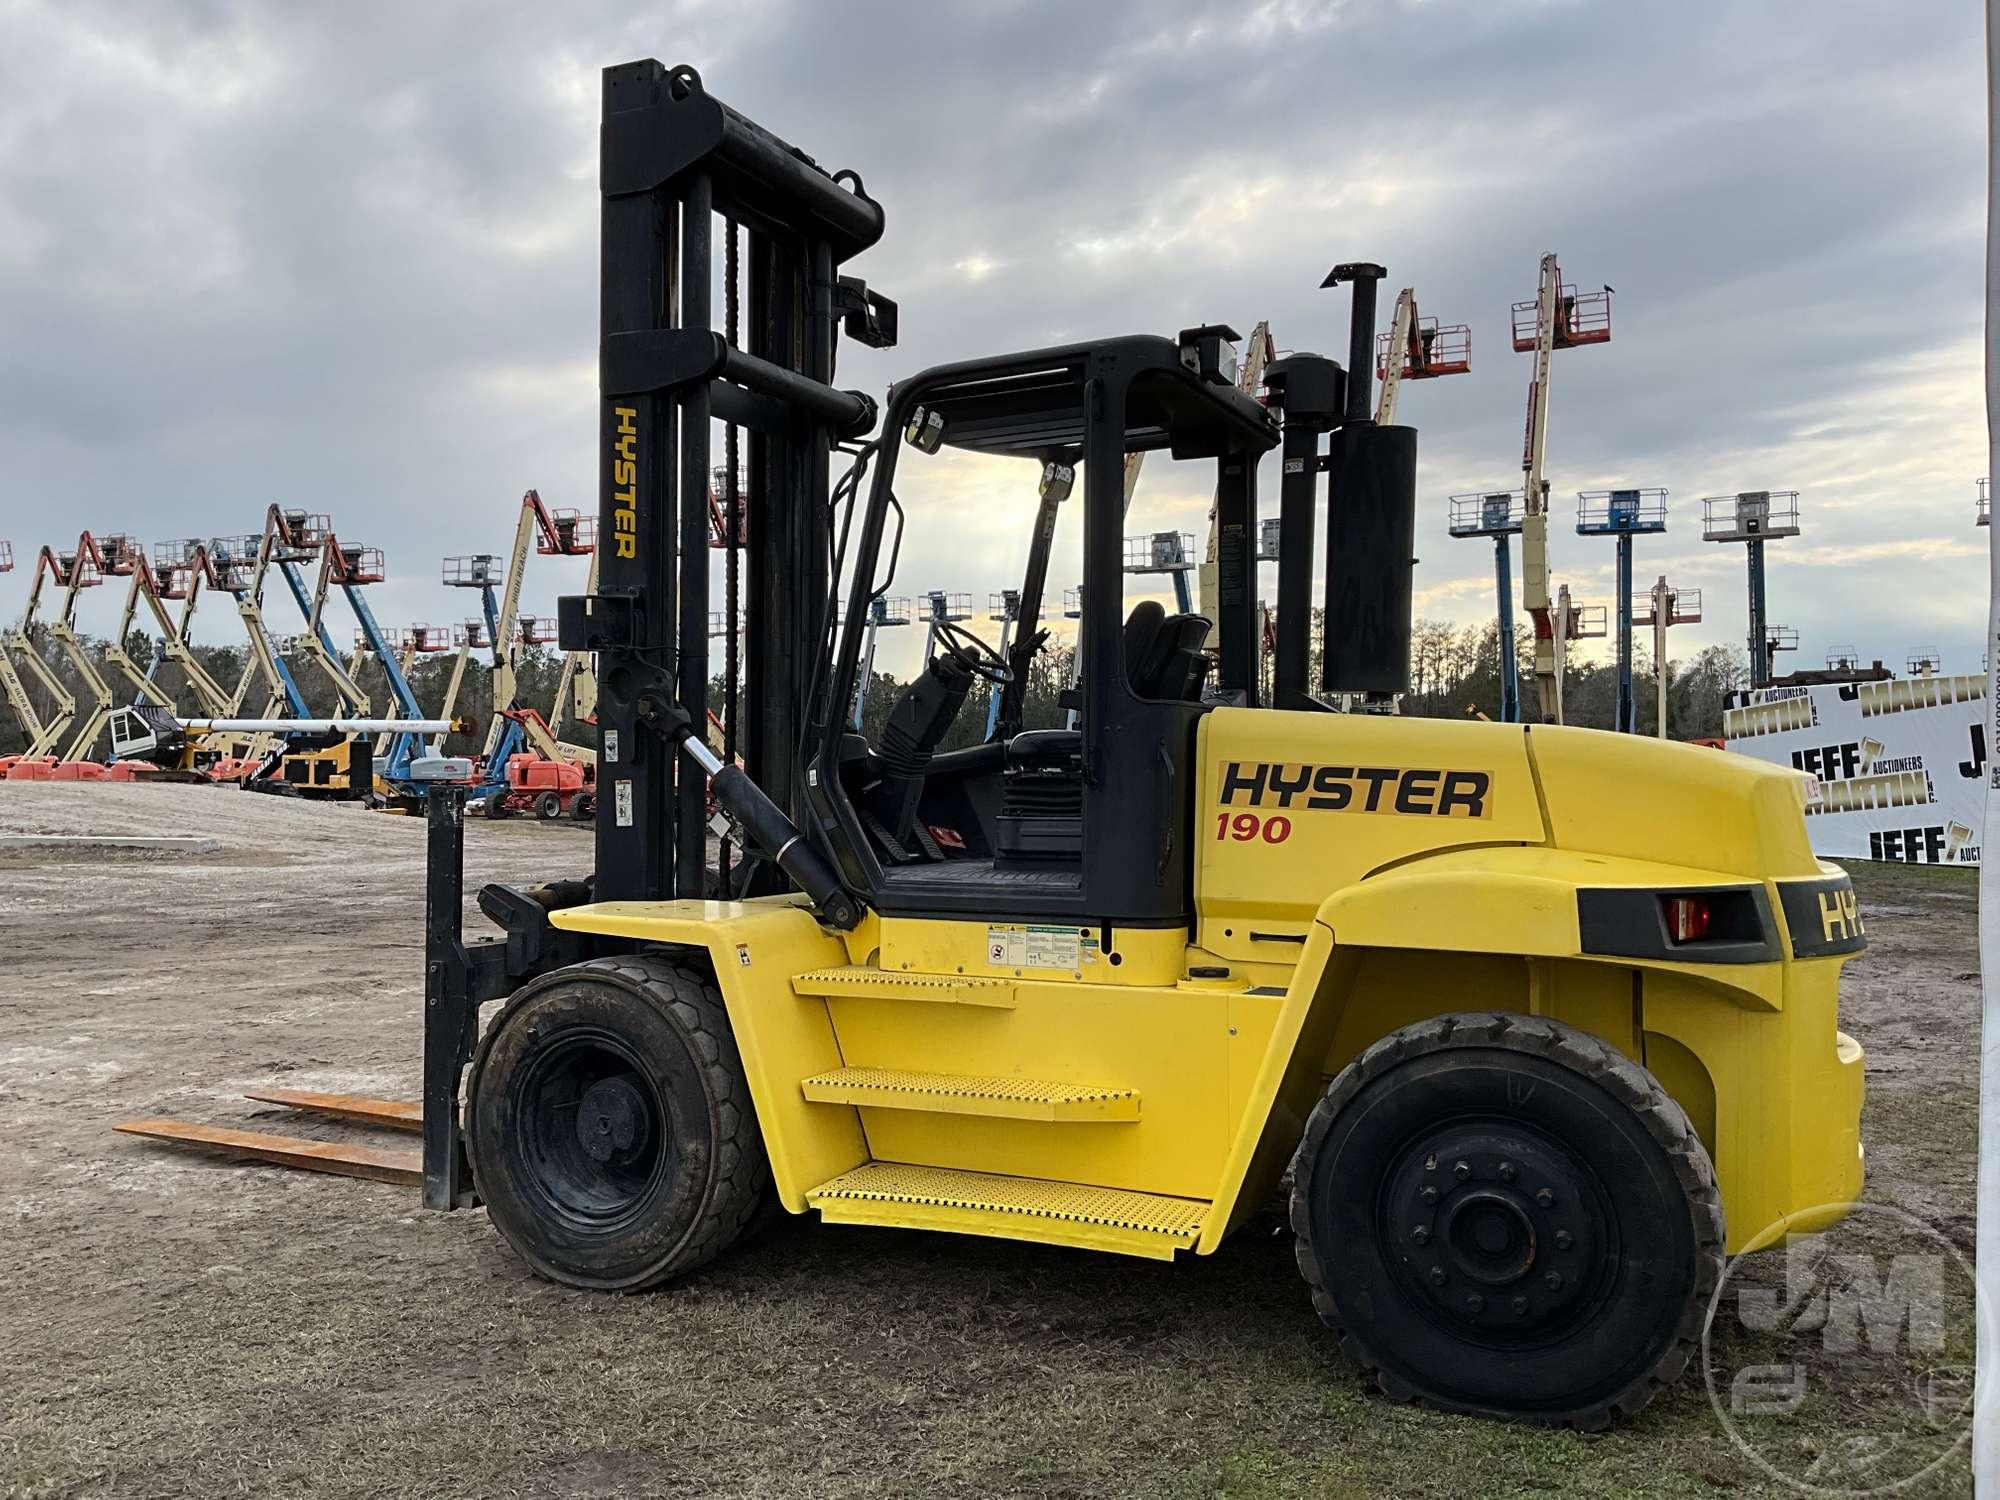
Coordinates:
column 1507, row 902
column 1520, row 901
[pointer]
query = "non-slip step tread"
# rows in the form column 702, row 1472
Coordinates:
column 1175, row 1219
column 870, row 983
column 967, row 1086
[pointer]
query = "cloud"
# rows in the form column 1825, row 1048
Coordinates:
column 346, row 257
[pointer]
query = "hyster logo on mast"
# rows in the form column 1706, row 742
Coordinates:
column 1375, row 789
column 625, row 476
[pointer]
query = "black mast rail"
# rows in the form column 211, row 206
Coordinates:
column 674, row 159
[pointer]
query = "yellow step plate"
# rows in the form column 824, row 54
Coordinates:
column 1016, row 1208
column 876, row 984
column 972, row 1094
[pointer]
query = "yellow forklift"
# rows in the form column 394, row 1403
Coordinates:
column 1530, row 1026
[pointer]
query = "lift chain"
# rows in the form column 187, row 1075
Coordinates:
column 732, row 526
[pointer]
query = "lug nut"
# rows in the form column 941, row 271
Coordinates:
column 1475, row 1303
column 1545, row 1198
column 1564, row 1239
column 1461, row 1170
column 1553, row 1281
column 1507, row 1171
column 1429, row 1195
column 1520, row 1305
column 1438, row 1278
column 1421, row 1234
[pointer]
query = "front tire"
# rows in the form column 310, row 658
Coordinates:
column 610, row 1127
column 548, row 806
column 1502, row 1215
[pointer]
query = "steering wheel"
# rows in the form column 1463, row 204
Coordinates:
column 972, row 653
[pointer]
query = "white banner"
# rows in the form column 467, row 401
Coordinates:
column 1901, row 763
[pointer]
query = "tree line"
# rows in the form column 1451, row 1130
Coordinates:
column 1454, row 674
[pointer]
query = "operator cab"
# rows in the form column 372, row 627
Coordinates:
column 998, row 827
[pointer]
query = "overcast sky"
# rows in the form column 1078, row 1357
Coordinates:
column 344, row 256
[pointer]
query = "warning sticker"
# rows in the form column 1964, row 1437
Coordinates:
column 1039, row 947
column 610, row 738
column 623, row 796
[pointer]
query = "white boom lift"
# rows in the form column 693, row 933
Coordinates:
column 180, row 572
column 553, row 533
column 1416, row 348
column 85, row 570
column 44, row 734
column 1557, row 319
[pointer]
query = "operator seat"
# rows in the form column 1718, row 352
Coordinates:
column 1041, row 790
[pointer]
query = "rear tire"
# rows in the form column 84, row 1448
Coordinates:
column 583, row 807
column 610, row 1127
column 1502, row 1215
column 548, row 806
column 496, row 806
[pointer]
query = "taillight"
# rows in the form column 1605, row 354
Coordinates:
column 1688, row 918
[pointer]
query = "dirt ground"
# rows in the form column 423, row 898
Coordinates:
column 175, row 1324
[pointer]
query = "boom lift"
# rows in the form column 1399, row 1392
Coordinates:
column 481, row 632
column 10, row 677
column 125, row 557
column 1574, row 622
column 885, row 614
column 346, row 565
column 1662, row 606
column 547, row 777
column 240, row 565
column 1499, row 515
column 1416, row 348
column 44, row 733
column 1622, row 515
column 182, row 569
column 1754, row 517
column 291, row 539
column 558, row 533
column 1565, row 1028
column 1558, row 318
column 1169, row 552
column 352, row 569
column 82, row 570
column 243, row 563
column 553, row 533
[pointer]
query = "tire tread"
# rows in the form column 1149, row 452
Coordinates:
column 681, row 986
column 1593, row 1058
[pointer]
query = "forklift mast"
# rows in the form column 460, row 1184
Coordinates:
column 683, row 177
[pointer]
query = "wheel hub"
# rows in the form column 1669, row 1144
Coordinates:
column 612, row 1120
column 595, row 1135
column 1492, row 1231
